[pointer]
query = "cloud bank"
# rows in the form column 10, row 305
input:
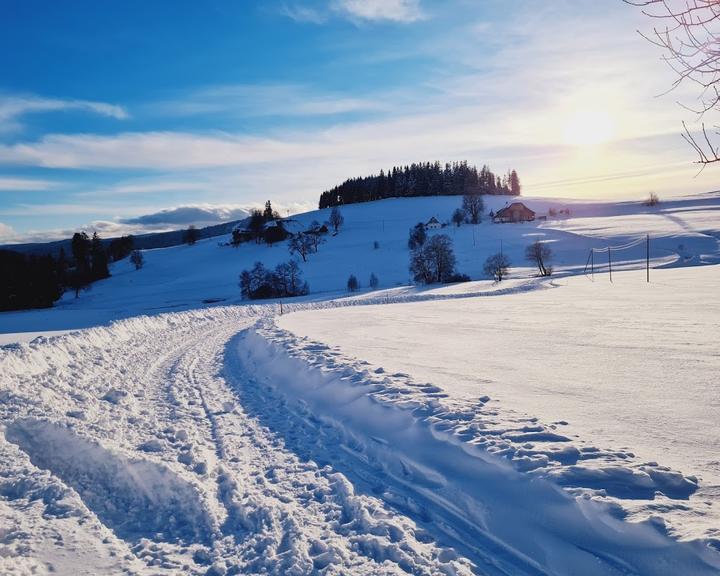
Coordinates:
column 6, row 232
column 184, row 215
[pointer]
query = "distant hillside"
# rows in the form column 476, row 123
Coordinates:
column 141, row 241
column 424, row 179
column 373, row 240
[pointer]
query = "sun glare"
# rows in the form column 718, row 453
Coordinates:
column 588, row 128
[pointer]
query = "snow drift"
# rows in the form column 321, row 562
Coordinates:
column 429, row 457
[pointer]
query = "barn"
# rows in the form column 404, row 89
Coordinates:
column 515, row 212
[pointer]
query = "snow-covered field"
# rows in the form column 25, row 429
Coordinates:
column 180, row 278
column 588, row 382
column 531, row 427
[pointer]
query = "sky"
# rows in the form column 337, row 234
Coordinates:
column 129, row 115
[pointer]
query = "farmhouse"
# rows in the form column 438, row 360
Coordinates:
column 433, row 224
column 516, row 212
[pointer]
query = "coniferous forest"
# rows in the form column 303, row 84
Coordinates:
column 28, row 281
column 38, row 281
column 424, row 179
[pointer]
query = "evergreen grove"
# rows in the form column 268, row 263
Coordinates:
column 29, row 281
column 424, row 179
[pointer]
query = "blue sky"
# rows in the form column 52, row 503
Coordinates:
column 112, row 112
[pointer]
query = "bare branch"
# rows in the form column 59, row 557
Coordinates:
column 691, row 42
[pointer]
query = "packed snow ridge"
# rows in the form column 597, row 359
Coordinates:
column 222, row 440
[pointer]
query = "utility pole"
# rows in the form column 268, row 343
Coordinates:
column 281, row 308
column 647, row 258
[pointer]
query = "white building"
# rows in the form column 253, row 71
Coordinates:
column 433, row 224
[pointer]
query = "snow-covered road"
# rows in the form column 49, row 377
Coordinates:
column 129, row 449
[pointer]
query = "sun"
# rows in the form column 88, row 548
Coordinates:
column 588, row 128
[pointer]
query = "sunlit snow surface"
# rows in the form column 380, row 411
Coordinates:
column 473, row 428
column 627, row 367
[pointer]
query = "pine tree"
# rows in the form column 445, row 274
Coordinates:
column 268, row 212
column 256, row 225
column 81, row 273
column 514, row 183
column 191, row 235
column 99, row 266
column 62, row 268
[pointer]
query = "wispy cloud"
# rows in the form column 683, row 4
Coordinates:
column 25, row 184
column 379, row 10
column 302, row 13
column 399, row 11
column 142, row 187
column 69, row 208
column 259, row 100
column 150, row 150
column 12, row 107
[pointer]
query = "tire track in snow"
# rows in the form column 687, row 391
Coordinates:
column 279, row 514
column 316, row 439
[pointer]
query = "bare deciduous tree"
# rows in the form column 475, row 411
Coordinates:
column 417, row 236
column 458, row 217
column 302, row 244
column 435, row 261
column 540, row 253
column 261, row 282
column 137, row 259
column 336, row 218
column 497, row 266
column 473, row 205
column 652, row 200
column 690, row 37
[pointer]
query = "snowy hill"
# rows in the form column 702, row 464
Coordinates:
column 683, row 232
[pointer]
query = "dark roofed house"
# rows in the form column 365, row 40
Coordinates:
column 516, row 212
